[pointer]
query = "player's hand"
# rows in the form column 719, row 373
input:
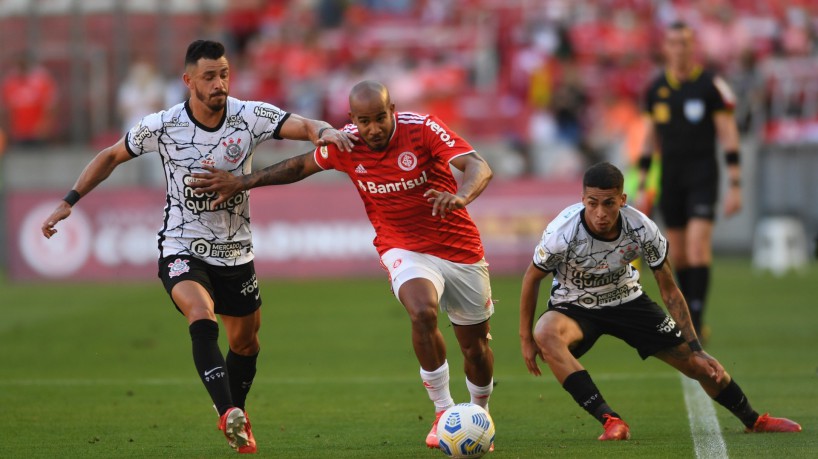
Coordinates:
column 62, row 212
column 732, row 202
column 343, row 140
column 223, row 183
column 443, row 202
column 530, row 353
column 714, row 369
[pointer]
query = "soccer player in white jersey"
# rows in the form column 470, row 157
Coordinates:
column 205, row 250
column 589, row 248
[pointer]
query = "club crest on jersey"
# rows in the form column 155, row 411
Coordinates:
column 407, row 161
column 178, row 267
column 629, row 253
column 233, row 152
column 694, row 110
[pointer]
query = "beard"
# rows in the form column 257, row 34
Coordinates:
column 212, row 102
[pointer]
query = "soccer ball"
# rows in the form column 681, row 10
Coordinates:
column 465, row 431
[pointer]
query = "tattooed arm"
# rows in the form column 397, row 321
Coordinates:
column 227, row 185
column 674, row 301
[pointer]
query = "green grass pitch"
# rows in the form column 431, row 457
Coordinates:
column 104, row 370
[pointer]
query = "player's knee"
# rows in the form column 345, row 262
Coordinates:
column 550, row 341
column 245, row 345
column 475, row 350
column 424, row 317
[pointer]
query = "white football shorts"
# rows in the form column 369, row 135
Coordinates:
column 463, row 290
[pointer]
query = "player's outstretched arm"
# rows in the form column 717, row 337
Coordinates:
column 320, row 133
column 226, row 185
column 532, row 279
column 476, row 176
column 94, row 173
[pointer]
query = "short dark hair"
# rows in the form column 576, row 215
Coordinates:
column 604, row 176
column 203, row 49
column 678, row 25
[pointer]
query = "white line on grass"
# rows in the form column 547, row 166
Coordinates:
column 704, row 425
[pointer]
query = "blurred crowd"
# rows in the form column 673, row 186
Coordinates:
column 558, row 82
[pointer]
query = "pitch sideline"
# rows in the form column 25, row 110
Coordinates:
column 704, row 425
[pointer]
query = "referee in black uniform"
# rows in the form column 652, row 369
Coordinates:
column 688, row 108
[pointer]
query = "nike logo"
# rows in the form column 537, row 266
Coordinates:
column 678, row 334
column 183, row 147
column 257, row 296
column 207, row 373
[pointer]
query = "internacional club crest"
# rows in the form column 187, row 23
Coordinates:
column 407, row 161
column 178, row 267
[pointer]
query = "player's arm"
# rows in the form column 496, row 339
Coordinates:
column 727, row 132
column 677, row 308
column 320, row 133
column 226, row 185
column 94, row 173
column 476, row 176
column 532, row 279
column 650, row 145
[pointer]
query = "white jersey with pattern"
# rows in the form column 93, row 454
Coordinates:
column 219, row 236
column 595, row 273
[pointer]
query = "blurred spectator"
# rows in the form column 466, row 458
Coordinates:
column 29, row 97
column 142, row 93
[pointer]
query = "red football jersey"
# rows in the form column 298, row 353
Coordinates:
column 392, row 182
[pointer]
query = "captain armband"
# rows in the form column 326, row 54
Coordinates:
column 732, row 157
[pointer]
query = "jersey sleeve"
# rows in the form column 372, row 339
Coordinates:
column 654, row 244
column 721, row 96
column 326, row 156
column 549, row 253
column 144, row 137
column 265, row 121
column 442, row 142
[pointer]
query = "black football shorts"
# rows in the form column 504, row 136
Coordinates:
column 689, row 193
column 234, row 289
column 641, row 323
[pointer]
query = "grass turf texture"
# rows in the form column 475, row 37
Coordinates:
column 104, row 370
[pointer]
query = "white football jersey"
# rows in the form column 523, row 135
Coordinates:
column 595, row 273
column 219, row 236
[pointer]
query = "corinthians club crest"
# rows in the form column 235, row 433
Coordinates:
column 233, row 151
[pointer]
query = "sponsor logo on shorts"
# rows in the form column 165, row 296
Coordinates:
column 250, row 286
column 407, row 161
column 667, row 325
column 397, row 263
column 204, row 248
column 324, row 151
column 178, row 267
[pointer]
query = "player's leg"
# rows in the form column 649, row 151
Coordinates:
column 561, row 341
column 478, row 361
column 242, row 338
column 466, row 299
column 698, row 247
column 725, row 392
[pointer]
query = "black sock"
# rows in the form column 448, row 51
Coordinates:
column 733, row 398
column 242, row 370
column 698, row 282
column 210, row 363
column 682, row 280
column 586, row 394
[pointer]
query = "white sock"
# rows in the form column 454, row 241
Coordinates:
column 480, row 394
column 437, row 384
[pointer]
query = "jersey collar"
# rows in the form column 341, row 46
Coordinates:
column 202, row 126
column 692, row 76
column 596, row 236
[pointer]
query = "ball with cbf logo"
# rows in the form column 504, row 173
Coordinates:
column 465, row 431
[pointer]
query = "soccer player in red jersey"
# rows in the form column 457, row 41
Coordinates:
column 425, row 237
